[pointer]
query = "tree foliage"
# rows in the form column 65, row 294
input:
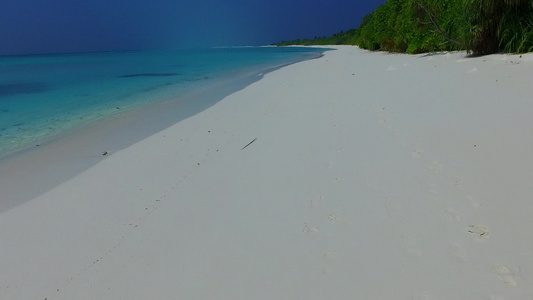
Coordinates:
column 416, row 26
column 412, row 26
column 341, row 38
column 497, row 25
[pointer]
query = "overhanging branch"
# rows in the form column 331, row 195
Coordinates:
column 437, row 28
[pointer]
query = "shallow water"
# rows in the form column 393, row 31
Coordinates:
column 42, row 96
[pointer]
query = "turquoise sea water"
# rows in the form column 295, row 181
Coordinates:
column 42, row 96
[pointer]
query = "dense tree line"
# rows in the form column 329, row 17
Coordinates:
column 417, row 26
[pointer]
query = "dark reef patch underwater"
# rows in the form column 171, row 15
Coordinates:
column 11, row 89
column 149, row 75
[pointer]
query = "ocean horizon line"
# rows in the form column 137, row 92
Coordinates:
column 139, row 50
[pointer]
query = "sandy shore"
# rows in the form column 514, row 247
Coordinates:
column 369, row 176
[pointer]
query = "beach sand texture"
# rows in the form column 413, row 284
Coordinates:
column 370, row 176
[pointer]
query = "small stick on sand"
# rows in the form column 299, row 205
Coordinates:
column 249, row 144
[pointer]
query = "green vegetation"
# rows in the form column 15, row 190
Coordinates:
column 341, row 38
column 505, row 25
column 417, row 26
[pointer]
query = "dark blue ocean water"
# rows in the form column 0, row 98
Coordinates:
column 45, row 95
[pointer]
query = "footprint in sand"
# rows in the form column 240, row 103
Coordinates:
column 417, row 153
column 330, row 258
column 310, row 229
column 316, row 201
column 409, row 248
column 423, row 295
column 479, row 231
column 382, row 114
column 339, row 179
column 434, row 189
column 505, row 274
column 457, row 182
column 394, row 209
column 457, row 216
column 472, row 201
column 391, row 68
column 435, row 167
column 458, row 252
column 332, row 218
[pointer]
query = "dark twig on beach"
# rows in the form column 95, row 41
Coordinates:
column 249, row 143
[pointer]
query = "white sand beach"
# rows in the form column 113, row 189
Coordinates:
column 370, row 176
